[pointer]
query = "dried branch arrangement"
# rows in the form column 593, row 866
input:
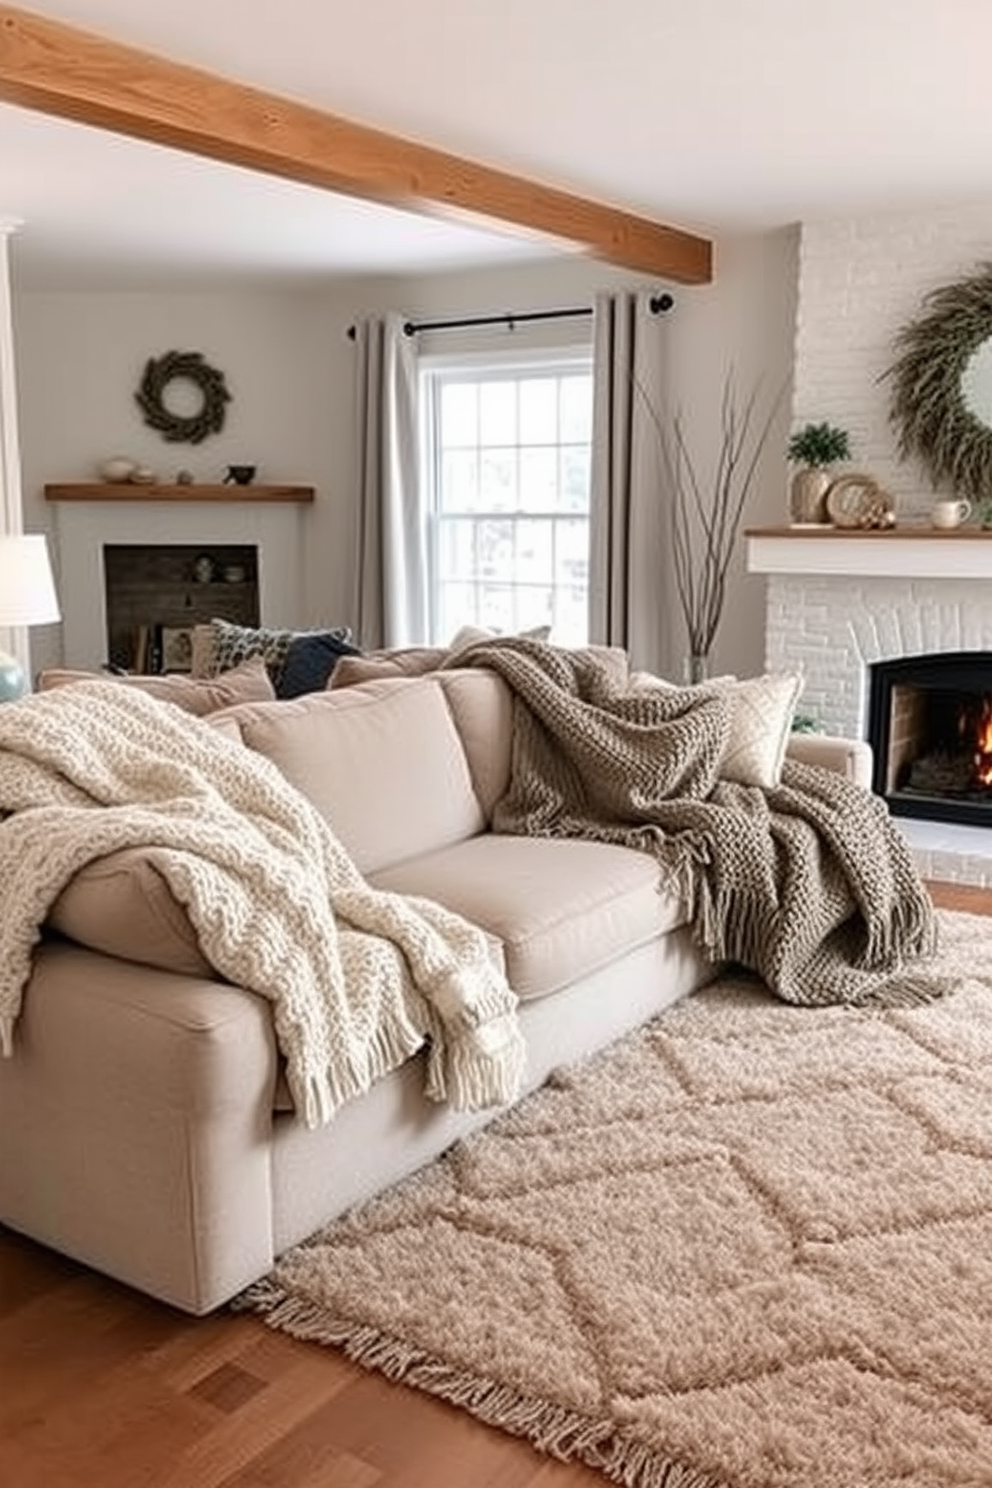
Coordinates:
column 706, row 517
column 928, row 407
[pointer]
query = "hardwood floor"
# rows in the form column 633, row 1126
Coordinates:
column 103, row 1388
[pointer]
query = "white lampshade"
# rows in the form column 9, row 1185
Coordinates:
column 27, row 589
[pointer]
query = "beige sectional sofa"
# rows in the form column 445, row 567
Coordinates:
column 146, row 1128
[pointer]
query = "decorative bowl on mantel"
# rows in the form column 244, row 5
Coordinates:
column 858, row 500
column 117, row 469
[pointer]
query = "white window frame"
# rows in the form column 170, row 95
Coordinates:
column 474, row 365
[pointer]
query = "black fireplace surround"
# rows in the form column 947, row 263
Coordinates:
column 930, row 727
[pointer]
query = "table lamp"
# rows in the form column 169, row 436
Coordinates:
column 27, row 597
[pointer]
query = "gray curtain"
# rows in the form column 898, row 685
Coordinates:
column 391, row 601
column 628, row 558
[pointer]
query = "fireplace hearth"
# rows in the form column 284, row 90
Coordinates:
column 930, row 726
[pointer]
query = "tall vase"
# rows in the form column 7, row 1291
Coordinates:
column 808, row 496
column 695, row 668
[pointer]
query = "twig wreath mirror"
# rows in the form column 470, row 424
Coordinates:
column 942, row 386
column 175, row 426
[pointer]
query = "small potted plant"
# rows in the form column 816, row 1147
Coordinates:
column 815, row 448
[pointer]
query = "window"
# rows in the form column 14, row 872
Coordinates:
column 507, row 460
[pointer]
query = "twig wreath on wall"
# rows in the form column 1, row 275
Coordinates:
column 938, row 356
column 190, row 367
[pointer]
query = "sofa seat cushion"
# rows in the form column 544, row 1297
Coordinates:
column 561, row 908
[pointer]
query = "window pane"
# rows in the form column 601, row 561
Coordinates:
column 498, row 413
column 459, row 481
column 456, row 548
column 539, row 479
column 539, row 411
column 494, row 547
column 535, row 606
column 499, row 480
column 457, row 606
column 459, row 413
column 575, row 462
column 496, row 606
column 570, row 626
column 576, row 410
column 571, row 553
column 535, row 553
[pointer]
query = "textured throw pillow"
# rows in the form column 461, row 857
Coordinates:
column 248, row 683
column 763, row 712
column 468, row 635
column 234, row 644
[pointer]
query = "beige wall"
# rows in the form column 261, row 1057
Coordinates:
column 288, row 363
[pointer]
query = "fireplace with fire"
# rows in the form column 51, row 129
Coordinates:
column 930, row 726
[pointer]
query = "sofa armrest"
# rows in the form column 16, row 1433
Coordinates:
column 849, row 757
column 136, row 1113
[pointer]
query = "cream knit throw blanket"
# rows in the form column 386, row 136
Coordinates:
column 807, row 884
column 358, row 979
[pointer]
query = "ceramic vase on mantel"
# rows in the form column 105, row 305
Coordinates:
column 808, row 496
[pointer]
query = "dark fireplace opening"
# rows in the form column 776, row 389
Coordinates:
column 157, row 592
column 930, row 727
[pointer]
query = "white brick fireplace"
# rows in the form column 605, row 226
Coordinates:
column 838, row 601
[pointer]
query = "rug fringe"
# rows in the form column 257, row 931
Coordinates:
column 554, row 1429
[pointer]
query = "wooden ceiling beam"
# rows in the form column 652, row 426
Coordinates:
column 59, row 69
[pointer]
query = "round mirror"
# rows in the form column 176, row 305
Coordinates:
column 942, row 387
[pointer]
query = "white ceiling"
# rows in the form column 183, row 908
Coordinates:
column 718, row 116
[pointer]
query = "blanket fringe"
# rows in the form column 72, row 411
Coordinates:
column 476, row 1079
column 6, row 1037
column 554, row 1429
column 322, row 1092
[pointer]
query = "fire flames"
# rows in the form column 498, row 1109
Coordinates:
column 982, row 756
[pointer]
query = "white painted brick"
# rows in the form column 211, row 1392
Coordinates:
column 860, row 280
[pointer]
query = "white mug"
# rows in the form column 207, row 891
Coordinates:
column 949, row 513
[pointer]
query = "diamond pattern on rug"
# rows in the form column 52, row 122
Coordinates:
column 748, row 1246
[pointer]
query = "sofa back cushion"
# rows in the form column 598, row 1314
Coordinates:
column 248, row 683
column 482, row 708
column 382, row 762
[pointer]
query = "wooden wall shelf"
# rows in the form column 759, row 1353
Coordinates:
column 126, row 491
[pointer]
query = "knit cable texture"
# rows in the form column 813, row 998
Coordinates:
column 358, row 979
column 807, row 883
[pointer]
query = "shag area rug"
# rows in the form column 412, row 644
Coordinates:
column 748, row 1246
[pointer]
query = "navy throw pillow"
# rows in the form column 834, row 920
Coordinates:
column 310, row 659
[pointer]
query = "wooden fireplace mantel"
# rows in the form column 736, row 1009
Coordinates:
column 127, row 491
column 911, row 552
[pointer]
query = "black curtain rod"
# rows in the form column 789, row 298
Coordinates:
column 657, row 304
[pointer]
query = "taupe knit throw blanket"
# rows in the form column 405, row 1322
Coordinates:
column 358, row 979
column 808, row 884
